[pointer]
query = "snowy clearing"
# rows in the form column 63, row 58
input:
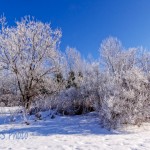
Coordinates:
column 72, row 133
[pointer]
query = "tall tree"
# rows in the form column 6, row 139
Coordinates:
column 29, row 52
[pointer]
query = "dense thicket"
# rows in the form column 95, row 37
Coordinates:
column 35, row 74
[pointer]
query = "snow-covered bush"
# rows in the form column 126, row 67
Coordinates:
column 72, row 102
column 125, row 87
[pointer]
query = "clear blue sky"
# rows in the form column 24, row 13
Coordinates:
column 85, row 23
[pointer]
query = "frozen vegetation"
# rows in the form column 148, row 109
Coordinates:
column 63, row 101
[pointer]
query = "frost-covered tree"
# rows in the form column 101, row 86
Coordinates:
column 75, row 67
column 29, row 52
column 125, row 85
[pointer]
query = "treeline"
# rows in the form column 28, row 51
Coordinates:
column 34, row 73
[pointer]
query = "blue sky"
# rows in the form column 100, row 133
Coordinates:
column 85, row 23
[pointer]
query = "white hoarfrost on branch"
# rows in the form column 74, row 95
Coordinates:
column 29, row 52
column 34, row 73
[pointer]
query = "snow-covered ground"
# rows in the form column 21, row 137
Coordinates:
column 70, row 133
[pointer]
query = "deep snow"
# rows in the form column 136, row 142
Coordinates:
column 69, row 133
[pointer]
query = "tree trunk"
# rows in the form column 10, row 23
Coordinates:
column 27, row 103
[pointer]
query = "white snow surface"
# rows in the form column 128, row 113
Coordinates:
column 70, row 133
